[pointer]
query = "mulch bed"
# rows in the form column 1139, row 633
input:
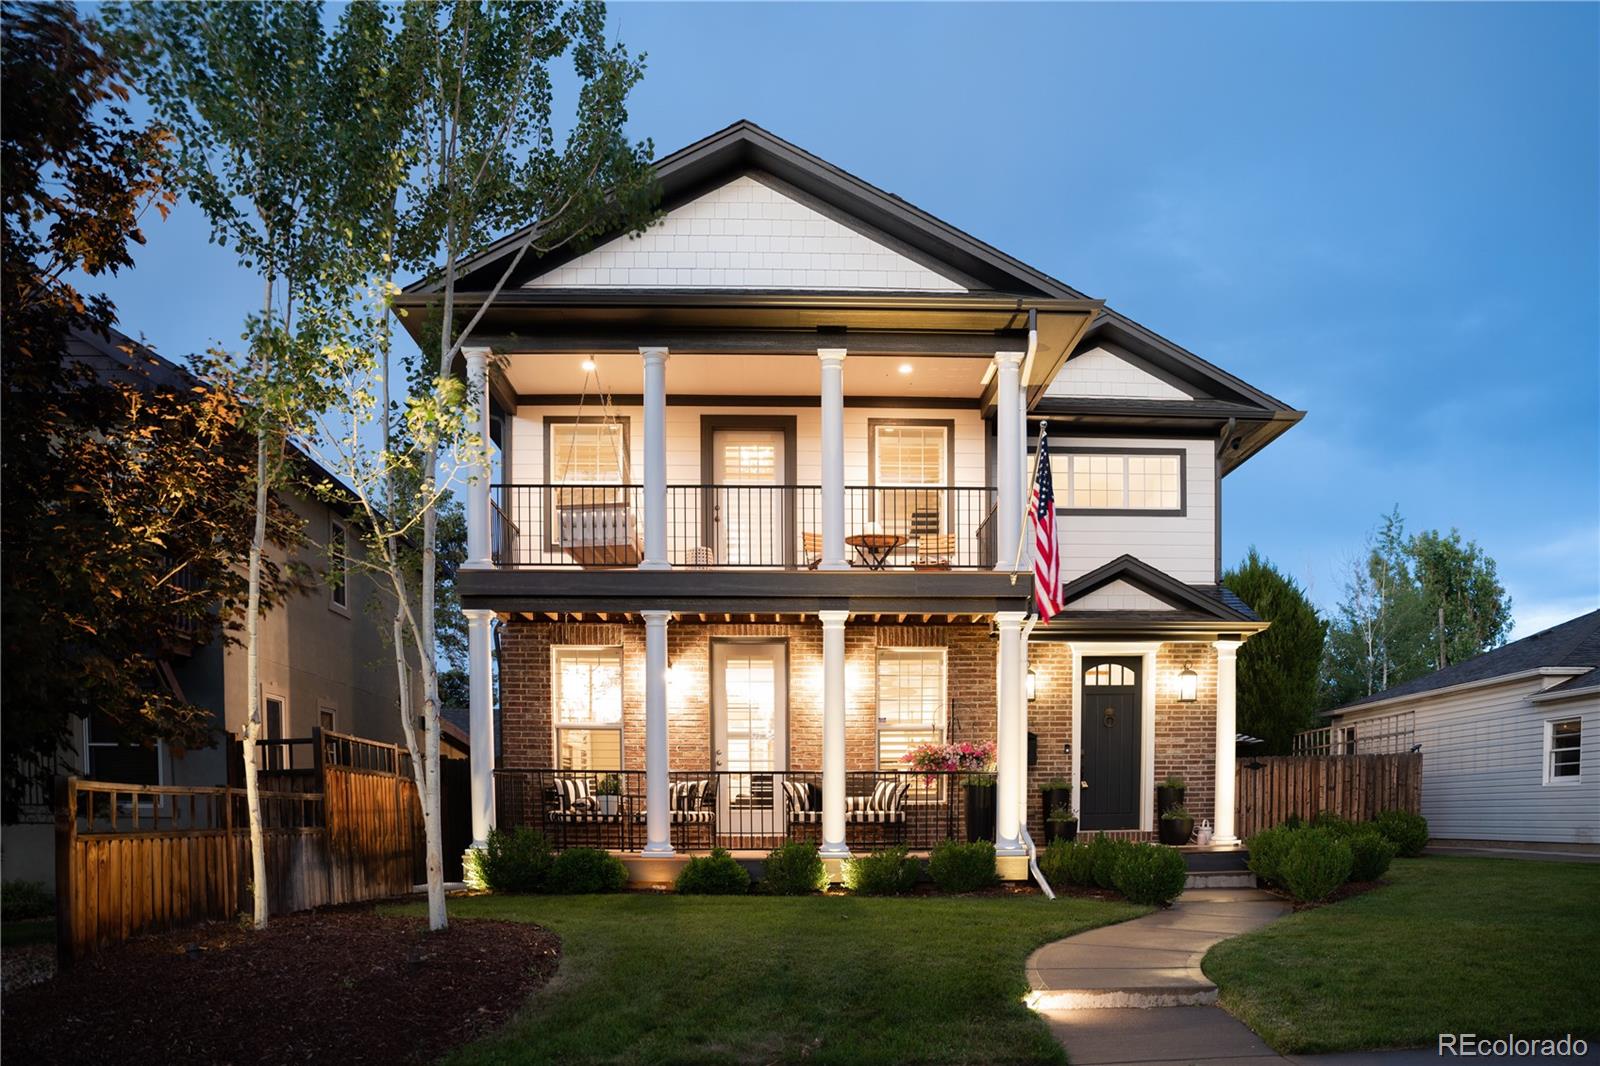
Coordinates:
column 1343, row 892
column 341, row 984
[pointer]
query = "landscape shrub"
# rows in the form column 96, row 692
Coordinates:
column 1408, row 832
column 717, row 874
column 794, row 869
column 22, row 901
column 518, row 860
column 1370, row 853
column 958, row 867
column 1055, row 862
column 578, row 871
column 1080, row 865
column 1151, row 874
column 1331, row 821
column 891, row 872
column 1106, row 852
column 1267, row 849
column 1316, row 864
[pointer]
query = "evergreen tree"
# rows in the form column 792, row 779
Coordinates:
column 1277, row 685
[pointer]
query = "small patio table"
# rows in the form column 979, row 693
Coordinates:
column 875, row 548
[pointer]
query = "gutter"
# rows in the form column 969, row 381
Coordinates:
column 1487, row 682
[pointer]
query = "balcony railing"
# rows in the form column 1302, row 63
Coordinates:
column 749, row 811
column 743, row 526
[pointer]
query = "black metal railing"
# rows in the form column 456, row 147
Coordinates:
column 743, row 526
column 741, row 811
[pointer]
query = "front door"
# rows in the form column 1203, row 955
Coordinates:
column 750, row 704
column 1108, row 763
column 746, row 506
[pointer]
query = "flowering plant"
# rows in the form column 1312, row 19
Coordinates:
column 966, row 757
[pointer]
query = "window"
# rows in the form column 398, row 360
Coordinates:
column 327, row 717
column 339, row 565
column 1563, row 751
column 906, row 456
column 275, row 721
column 1109, row 675
column 911, row 702
column 587, row 453
column 1132, row 481
column 588, row 708
column 111, row 756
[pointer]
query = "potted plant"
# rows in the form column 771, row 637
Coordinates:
column 1057, row 792
column 608, row 793
column 1176, row 825
column 1169, row 794
column 1061, row 824
column 975, row 765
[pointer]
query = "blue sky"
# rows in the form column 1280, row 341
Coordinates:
column 1387, row 215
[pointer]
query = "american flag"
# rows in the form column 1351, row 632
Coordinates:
column 1046, row 549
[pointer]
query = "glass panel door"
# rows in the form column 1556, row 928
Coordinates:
column 747, row 508
column 750, row 733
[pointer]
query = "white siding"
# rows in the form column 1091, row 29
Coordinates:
column 746, row 234
column 1119, row 596
column 1108, row 372
column 1183, row 546
column 1483, row 765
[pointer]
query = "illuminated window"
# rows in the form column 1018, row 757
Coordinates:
column 1131, row 482
column 587, row 453
column 904, row 458
column 1108, row 675
column 1563, row 751
column 587, row 704
column 911, row 702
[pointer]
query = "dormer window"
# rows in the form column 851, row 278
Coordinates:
column 1120, row 482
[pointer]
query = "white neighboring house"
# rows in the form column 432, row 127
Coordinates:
column 1510, row 740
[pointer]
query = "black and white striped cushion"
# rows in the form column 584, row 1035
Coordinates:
column 806, row 817
column 682, row 795
column 799, row 796
column 888, row 795
column 873, row 817
column 572, row 793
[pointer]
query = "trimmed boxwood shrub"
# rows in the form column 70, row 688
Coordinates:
column 1316, row 864
column 515, row 861
column 1105, row 853
column 958, row 867
column 1054, row 862
column 1151, row 874
column 794, row 869
column 717, row 874
column 1370, row 853
column 891, row 872
column 1267, row 849
column 577, row 871
column 1330, row 820
column 1408, row 832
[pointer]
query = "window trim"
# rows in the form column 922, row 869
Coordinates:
column 285, row 726
column 1064, row 483
column 556, row 725
column 331, row 710
column 551, row 421
column 949, row 426
column 339, row 529
column 940, row 729
column 1548, row 748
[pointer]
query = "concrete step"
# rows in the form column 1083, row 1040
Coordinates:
column 1220, row 879
column 1207, row 859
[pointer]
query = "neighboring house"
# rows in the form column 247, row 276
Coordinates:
column 758, row 493
column 325, row 660
column 1510, row 740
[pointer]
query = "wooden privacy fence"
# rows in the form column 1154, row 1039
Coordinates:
column 1271, row 788
column 132, row 859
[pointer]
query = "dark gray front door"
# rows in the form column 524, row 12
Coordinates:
column 1109, row 760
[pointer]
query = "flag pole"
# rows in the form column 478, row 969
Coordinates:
column 1022, row 534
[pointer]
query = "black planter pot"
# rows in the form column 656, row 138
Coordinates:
column 1167, row 798
column 980, row 812
column 1176, row 831
column 1054, row 831
column 1051, row 798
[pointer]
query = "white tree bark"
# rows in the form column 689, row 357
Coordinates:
column 252, row 721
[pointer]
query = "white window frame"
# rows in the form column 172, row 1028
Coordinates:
column 591, row 725
column 87, row 744
column 941, row 724
column 1066, row 475
column 328, row 716
column 339, row 541
column 1549, row 751
column 554, row 428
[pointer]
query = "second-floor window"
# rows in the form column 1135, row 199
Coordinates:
column 1150, row 482
column 339, row 564
column 910, row 463
column 588, row 708
column 587, row 453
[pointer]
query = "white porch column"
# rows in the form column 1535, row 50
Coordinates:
column 833, row 843
column 1011, row 759
column 1022, row 727
column 833, row 556
column 478, row 540
column 655, row 459
column 1227, row 740
column 480, row 710
column 658, row 822
column 1008, row 473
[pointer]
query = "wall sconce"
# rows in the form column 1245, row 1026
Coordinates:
column 1032, row 684
column 1188, row 686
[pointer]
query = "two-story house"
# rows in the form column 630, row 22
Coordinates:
column 753, row 528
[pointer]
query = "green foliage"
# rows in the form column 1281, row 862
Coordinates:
column 582, row 870
column 1068, row 862
column 1172, row 781
column 891, row 872
column 717, row 874
column 1178, row 813
column 1329, row 820
column 22, row 901
column 1278, row 669
column 959, row 867
column 1408, row 832
column 1267, row 850
column 1056, row 784
column 1150, row 874
column 518, row 860
column 1370, row 853
column 1104, row 854
column 1062, row 814
column 1459, row 580
column 794, row 869
column 1317, row 862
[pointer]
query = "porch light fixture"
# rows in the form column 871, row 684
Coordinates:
column 905, row 368
column 1188, row 686
column 588, row 366
column 1032, row 685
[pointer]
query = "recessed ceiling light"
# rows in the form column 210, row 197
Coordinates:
column 588, row 366
column 905, row 368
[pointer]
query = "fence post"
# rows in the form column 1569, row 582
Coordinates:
column 65, row 798
column 231, row 897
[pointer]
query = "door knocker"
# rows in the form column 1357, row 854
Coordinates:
column 1111, row 717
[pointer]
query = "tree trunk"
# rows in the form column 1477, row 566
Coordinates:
column 252, row 722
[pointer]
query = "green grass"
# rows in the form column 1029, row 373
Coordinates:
column 670, row 979
column 1454, row 945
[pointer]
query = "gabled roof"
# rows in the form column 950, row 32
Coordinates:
column 1570, row 645
column 1196, row 602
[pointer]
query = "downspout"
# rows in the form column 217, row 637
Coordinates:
column 1027, row 837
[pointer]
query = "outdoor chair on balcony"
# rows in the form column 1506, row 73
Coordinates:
column 578, row 813
column 693, row 811
column 934, row 551
column 811, row 548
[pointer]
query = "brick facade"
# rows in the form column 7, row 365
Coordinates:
column 1184, row 733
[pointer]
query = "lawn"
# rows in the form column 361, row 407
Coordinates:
column 1454, row 945
column 672, row 979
